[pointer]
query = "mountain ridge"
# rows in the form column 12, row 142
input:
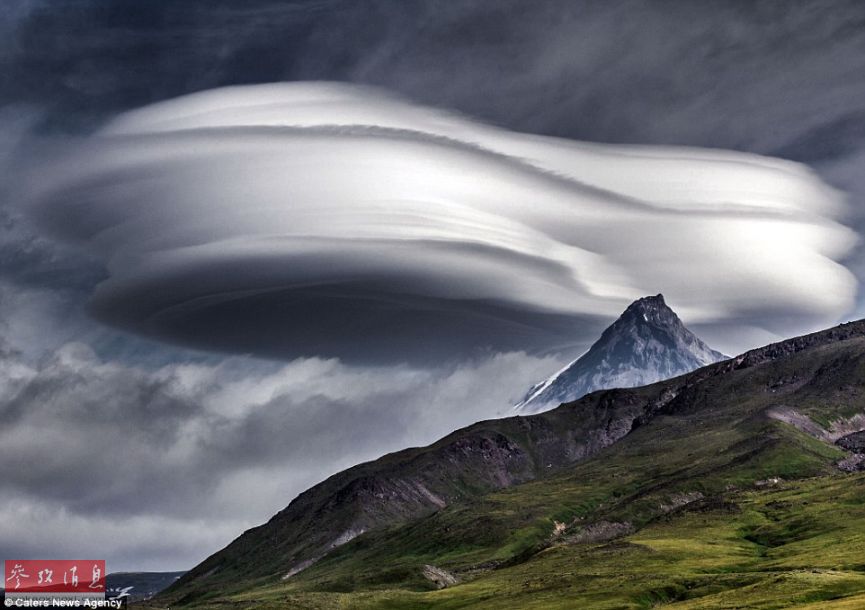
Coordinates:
column 414, row 484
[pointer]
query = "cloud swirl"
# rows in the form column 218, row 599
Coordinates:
column 328, row 219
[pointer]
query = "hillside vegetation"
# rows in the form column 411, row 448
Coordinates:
column 729, row 487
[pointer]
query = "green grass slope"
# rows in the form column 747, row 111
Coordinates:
column 710, row 500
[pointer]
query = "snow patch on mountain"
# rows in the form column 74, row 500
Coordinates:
column 646, row 344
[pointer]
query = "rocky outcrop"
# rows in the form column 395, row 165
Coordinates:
column 853, row 442
column 788, row 347
column 677, row 501
column 852, row 463
column 845, row 432
column 440, row 578
column 601, row 531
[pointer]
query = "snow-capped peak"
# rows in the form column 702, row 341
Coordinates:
column 647, row 343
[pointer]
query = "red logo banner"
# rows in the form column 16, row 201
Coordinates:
column 54, row 576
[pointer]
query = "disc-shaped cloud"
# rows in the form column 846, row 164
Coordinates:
column 308, row 218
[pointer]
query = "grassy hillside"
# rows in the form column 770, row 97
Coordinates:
column 798, row 545
column 724, row 493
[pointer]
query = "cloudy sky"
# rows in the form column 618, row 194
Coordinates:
column 244, row 245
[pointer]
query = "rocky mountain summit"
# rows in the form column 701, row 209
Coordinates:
column 646, row 344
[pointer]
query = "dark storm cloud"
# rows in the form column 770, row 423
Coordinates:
column 43, row 284
column 756, row 75
column 157, row 468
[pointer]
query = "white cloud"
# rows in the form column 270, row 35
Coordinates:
column 324, row 219
column 159, row 468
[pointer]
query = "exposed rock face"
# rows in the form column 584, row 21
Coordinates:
column 846, row 432
column 853, row 442
column 800, row 421
column 441, row 578
column 852, row 463
column 646, row 344
column 774, row 351
column 601, row 531
column 677, row 501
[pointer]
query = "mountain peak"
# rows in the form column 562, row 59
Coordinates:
column 647, row 343
column 649, row 302
column 651, row 308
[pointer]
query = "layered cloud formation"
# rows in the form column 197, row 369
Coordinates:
column 335, row 220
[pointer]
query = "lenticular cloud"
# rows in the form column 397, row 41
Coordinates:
column 309, row 218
